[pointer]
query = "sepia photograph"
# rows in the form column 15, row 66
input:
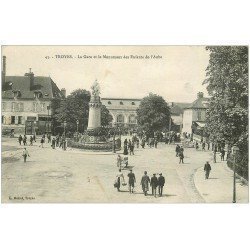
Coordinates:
column 124, row 124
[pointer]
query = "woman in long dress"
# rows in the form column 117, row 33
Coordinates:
column 119, row 180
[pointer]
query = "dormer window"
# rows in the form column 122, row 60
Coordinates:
column 121, row 103
column 16, row 94
column 109, row 102
column 38, row 94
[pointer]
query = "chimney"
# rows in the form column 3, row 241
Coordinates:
column 32, row 78
column 200, row 95
column 4, row 70
column 63, row 91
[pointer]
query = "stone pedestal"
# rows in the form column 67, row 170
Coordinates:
column 94, row 113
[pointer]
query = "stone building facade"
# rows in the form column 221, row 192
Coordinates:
column 194, row 116
column 26, row 103
column 123, row 110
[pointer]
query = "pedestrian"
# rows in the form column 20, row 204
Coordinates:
column 161, row 183
column 119, row 180
column 181, row 156
column 208, row 145
column 156, row 142
column 222, row 154
column 42, row 142
column 214, row 153
column 57, row 140
column 24, row 140
column 131, row 149
column 137, row 143
column 203, row 146
column 154, row 184
column 143, row 143
column 49, row 138
column 31, row 140
column 197, row 145
column 34, row 138
column 131, row 181
column 145, row 181
column 64, row 144
column 177, row 150
column 125, row 147
column 119, row 161
column 53, row 143
column 20, row 139
column 25, row 154
column 207, row 169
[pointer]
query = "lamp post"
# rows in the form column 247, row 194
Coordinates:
column 114, row 142
column 235, row 149
column 77, row 123
column 48, row 108
column 64, row 126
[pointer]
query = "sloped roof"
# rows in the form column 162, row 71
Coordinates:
column 43, row 84
column 200, row 103
column 177, row 107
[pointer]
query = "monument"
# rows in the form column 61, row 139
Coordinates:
column 96, row 137
column 94, row 108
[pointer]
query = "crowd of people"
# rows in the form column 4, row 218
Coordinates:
column 146, row 182
column 59, row 141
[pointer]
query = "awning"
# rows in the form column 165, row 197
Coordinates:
column 201, row 124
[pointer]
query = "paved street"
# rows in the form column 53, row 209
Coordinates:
column 76, row 176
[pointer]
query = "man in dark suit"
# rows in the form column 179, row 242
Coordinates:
column 161, row 183
column 207, row 169
column 131, row 181
column 154, row 184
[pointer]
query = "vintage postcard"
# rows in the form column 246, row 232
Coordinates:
column 124, row 124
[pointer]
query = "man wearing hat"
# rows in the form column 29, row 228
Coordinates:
column 154, row 184
column 207, row 169
column 144, row 183
column 161, row 182
column 131, row 181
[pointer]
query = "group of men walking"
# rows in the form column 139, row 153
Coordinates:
column 146, row 182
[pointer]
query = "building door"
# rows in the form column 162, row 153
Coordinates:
column 29, row 127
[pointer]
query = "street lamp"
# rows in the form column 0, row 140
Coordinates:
column 77, row 123
column 114, row 142
column 235, row 149
column 64, row 126
column 48, row 108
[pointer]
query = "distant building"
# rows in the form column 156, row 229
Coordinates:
column 26, row 103
column 177, row 109
column 123, row 111
column 194, row 116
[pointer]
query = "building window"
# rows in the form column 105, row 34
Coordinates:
column 35, row 106
column 21, row 108
column 109, row 102
column 20, row 119
column 13, row 104
column 12, row 121
column 42, row 107
column 132, row 119
column 133, row 103
column 16, row 94
column 3, row 106
column 38, row 95
column 198, row 115
column 121, row 103
column 120, row 119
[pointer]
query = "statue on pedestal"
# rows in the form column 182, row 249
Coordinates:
column 94, row 107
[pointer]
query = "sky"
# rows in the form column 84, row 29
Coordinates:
column 174, row 72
